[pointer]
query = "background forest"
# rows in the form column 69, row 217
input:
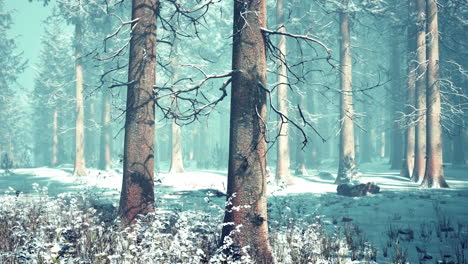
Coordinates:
column 187, row 111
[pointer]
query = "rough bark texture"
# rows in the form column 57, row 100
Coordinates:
column 283, row 159
column 420, row 139
column 347, row 167
column 106, row 133
column 247, row 148
column 434, row 174
column 55, row 138
column 137, row 196
column 80, row 162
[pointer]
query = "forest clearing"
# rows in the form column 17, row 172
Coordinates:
column 233, row 131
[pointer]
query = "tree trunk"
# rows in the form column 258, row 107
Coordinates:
column 347, row 167
column 408, row 160
column 177, row 163
column 106, row 132
column 283, row 159
column 420, row 139
column 396, row 141
column 247, row 146
column 137, row 196
column 80, row 162
column 434, row 174
column 55, row 138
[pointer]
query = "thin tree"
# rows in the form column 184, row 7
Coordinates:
column 434, row 174
column 137, row 196
column 347, row 167
column 396, row 136
column 177, row 163
column 283, row 174
column 247, row 205
column 106, row 132
column 80, row 161
column 420, row 138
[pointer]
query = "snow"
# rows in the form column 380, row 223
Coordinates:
column 401, row 206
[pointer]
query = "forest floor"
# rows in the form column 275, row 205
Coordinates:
column 403, row 223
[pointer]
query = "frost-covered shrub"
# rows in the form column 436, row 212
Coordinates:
column 37, row 228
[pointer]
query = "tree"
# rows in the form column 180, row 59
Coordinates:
column 137, row 195
column 434, row 173
column 177, row 165
column 106, row 132
column 51, row 91
column 12, row 65
column 396, row 137
column 283, row 157
column 408, row 159
column 247, row 207
column 347, row 166
column 420, row 139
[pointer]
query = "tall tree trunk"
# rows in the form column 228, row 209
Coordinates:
column 408, row 159
column 137, row 196
column 177, row 163
column 347, row 166
column 106, row 132
column 80, row 162
column 283, row 159
column 397, row 142
column 55, row 138
column 434, row 174
column 420, row 139
column 247, row 181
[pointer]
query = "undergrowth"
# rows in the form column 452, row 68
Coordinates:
column 37, row 228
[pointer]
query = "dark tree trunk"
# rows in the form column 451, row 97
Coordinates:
column 434, row 174
column 247, row 148
column 420, row 139
column 137, row 196
column 347, row 166
column 80, row 163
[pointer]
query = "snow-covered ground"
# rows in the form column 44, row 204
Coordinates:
column 402, row 219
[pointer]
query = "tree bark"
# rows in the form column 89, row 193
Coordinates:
column 283, row 159
column 420, row 138
column 247, row 181
column 137, row 196
column 347, row 167
column 55, row 138
column 434, row 174
column 410, row 133
column 80, row 161
column 106, row 132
